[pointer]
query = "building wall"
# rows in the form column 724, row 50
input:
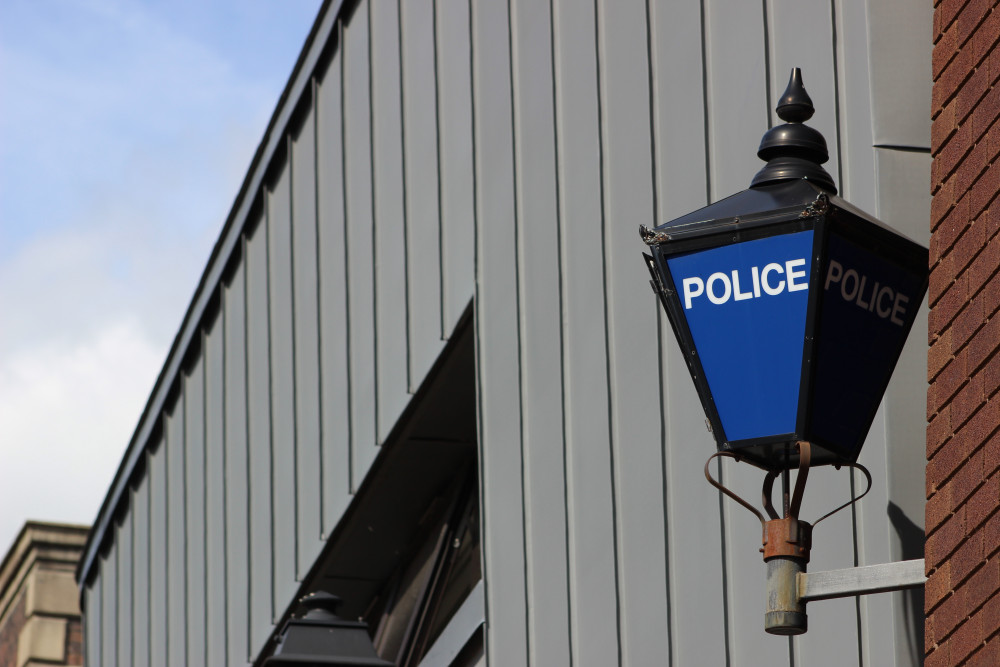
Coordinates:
column 505, row 151
column 963, row 407
column 590, row 119
column 39, row 603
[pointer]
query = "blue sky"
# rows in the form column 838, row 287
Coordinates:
column 126, row 128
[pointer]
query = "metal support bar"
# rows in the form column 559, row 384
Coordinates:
column 860, row 580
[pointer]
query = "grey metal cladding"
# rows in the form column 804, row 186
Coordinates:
column 194, row 508
column 390, row 238
column 156, row 478
column 92, row 624
column 305, row 300
column 258, row 383
column 280, row 309
column 360, row 250
column 216, row 621
column 421, row 188
column 109, row 608
column 125, row 614
column 636, row 454
column 538, row 234
column 454, row 97
column 237, row 519
column 334, row 387
column 176, row 541
column 497, row 344
column 141, row 588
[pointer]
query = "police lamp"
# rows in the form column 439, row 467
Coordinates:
column 791, row 307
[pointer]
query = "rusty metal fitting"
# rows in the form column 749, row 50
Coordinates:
column 788, row 537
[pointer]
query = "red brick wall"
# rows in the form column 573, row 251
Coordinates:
column 74, row 642
column 962, row 550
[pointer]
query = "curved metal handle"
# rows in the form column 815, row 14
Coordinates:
column 868, row 476
column 726, row 491
column 805, row 459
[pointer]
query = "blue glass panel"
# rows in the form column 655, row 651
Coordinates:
column 746, row 308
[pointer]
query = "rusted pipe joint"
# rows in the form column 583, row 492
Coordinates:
column 787, row 537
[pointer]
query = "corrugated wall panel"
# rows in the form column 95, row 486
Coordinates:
column 422, row 167
column 360, row 257
column 173, row 448
column 278, row 199
column 307, row 365
column 258, row 410
column 678, row 90
column 497, row 341
column 457, row 179
column 194, row 487
column 158, row 591
column 899, row 43
column 333, row 264
column 627, row 147
column 109, row 608
column 391, row 307
column 92, row 624
column 141, row 582
column 693, row 522
column 237, row 500
column 812, row 50
column 126, row 586
column 593, row 592
column 216, row 622
column 541, row 345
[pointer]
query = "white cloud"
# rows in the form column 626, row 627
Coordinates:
column 67, row 411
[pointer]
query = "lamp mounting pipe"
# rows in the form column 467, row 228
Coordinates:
column 786, row 541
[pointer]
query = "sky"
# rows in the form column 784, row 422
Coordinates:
column 126, row 128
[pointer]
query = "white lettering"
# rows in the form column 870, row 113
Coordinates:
column 871, row 306
column 737, row 294
column 714, row 278
column 772, row 290
column 861, row 291
column 899, row 308
column 882, row 300
column 851, row 274
column 834, row 273
column 693, row 287
column 884, row 312
column 792, row 275
column 722, row 286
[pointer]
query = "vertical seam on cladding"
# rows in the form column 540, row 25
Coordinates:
column 442, row 315
column 560, row 258
column 477, row 323
column 836, row 92
column 290, row 237
column 405, row 201
column 607, row 332
column 512, row 89
column 377, row 416
column 270, row 394
column 314, row 87
column 347, row 263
